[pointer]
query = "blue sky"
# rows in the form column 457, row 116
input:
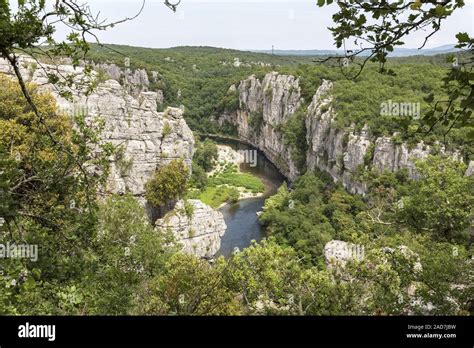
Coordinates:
column 243, row 24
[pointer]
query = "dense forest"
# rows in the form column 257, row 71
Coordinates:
column 199, row 78
column 111, row 261
column 101, row 251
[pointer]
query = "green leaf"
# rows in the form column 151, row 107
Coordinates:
column 462, row 37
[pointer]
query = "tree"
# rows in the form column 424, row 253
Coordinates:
column 309, row 216
column 168, row 183
column 440, row 201
column 44, row 199
column 271, row 279
column 389, row 23
column 411, row 274
column 206, row 154
column 127, row 253
column 187, row 286
column 28, row 27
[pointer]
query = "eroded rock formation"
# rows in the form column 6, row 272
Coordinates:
column 265, row 106
column 196, row 226
column 145, row 139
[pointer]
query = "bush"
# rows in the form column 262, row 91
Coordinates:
column 256, row 120
column 234, row 195
column 198, row 178
column 206, row 154
column 169, row 183
column 294, row 132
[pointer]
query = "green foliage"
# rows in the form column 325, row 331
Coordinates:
column 166, row 130
column 188, row 286
column 46, row 200
column 231, row 177
column 408, row 273
column 123, row 164
column 414, row 251
column 369, row 155
column 441, row 200
column 256, row 120
column 230, row 102
column 215, row 196
column 189, row 209
column 311, row 215
column 271, row 280
column 102, row 75
column 223, row 186
column 206, row 154
column 128, row 252
column 199, row 177
column 169, row 183
column 294, row 132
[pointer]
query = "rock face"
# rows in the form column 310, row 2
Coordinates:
column 470, row 169
column 133, row 81
column 264, row 107
column 197, row 227
column 330, row 149
column 337, row 253
column 341, row 153
column 146, row 140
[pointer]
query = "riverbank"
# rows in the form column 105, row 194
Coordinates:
column 226, row 182
column 241, row 217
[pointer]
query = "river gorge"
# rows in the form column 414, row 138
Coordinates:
column 241, row 217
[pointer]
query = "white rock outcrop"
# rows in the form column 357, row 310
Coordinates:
column 264, row 107
column 337, row 253
column 196, row 226
column 134, row 81
column 147, row 139
column 339, row 152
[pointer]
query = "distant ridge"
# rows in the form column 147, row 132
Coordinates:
column 398, row 52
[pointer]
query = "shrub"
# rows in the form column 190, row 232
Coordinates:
column 169, row 183
column 189, row 209
column 166, row 130
column 256, row 120
column 206, row 154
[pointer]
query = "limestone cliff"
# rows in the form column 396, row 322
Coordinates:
column 341, row 153
column 134, row 81
column 197, row 227
column 145, row 139
column 264, row 107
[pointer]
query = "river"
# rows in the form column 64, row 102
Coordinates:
column 241, row 217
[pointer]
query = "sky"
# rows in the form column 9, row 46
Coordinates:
column 243, row 24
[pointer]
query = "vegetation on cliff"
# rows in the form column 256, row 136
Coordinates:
column 100, row 255
column 169, row 183
column 209, row 72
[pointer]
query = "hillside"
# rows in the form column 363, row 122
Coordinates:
column 199, row 78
